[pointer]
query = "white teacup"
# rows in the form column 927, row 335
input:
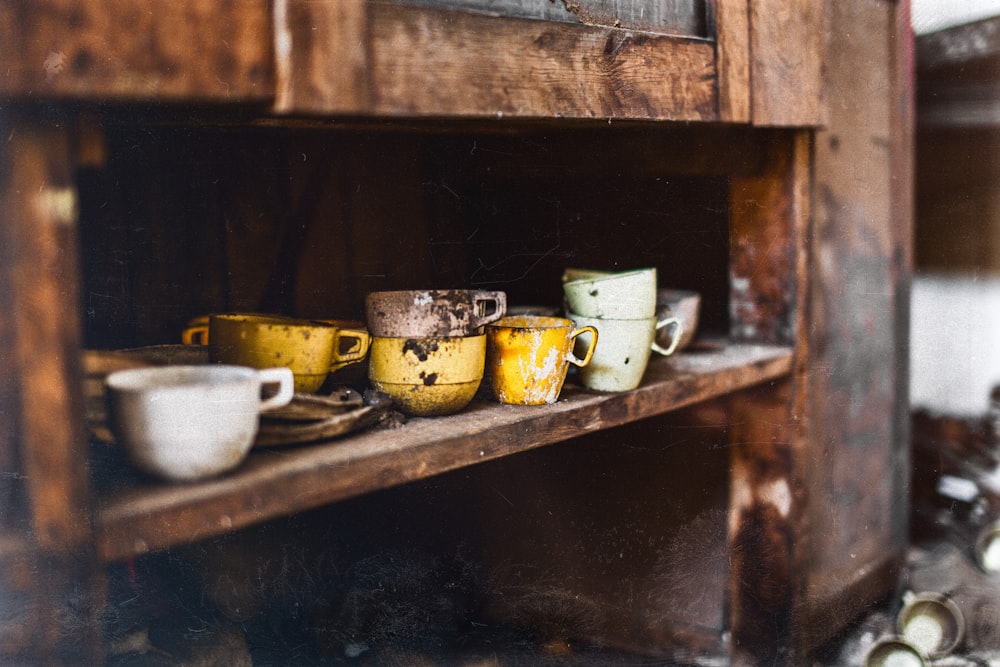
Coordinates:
column 623, row 350
column 191, row 422
column 627, row 295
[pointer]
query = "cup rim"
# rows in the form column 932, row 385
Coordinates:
column 603, row 274
column 270, row 319
column 177, row 376
column 426, row 338
column 610, row 275
column 532, row 322
column 574, row 316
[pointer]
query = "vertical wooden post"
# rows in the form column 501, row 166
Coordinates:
column 767, row 532
column 38, row 219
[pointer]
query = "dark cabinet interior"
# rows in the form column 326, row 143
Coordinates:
column 185, row 220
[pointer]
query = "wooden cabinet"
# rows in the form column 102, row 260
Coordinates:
column 162, row 161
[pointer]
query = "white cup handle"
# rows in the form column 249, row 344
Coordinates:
column 678, row 332
column 286, row 386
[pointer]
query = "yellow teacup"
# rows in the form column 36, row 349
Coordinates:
column 428, row 376
column 527, row 357
column 310, row 349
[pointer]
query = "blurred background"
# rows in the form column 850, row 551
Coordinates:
column 955, row 328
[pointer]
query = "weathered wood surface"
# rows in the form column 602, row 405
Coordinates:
column 769, row 214
column 277, row 483
column 859, row 318
column 38, row 217
column 679, row 17
column 197, row 50
column 769, row 537
column 732, row 55
column 421, row 62
column 787, row 47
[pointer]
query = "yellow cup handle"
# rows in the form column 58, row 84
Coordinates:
column 197, row 335
column 357, row 352
column 678, row 332
column 572, row 358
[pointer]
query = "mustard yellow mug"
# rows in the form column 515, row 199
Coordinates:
column 528, row 357
column 310, row 349
column 428, row 376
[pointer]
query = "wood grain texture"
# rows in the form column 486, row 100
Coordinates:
column 676, row 17
column 859, row 318
column 196, row 50
column 427, row 62
column 148, row 518
column 787, row 44
column 732, row 53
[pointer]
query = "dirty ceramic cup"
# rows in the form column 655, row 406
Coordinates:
column 623, row 350
column 428, row 376
column 440, row 313
column 626, row 295
column 931, row 622
column 191, row 422
column 895, row 652
column 310, row 349
column 685, row 305
column 527, row 357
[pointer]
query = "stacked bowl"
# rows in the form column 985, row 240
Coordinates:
column 621, row 306
column 428, row 348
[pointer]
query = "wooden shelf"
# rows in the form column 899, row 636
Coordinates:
column 147, row 517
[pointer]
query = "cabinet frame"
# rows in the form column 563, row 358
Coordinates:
column 756, row 72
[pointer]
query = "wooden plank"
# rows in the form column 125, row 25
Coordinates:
column 732, row 53
column 194, row 50
column 676, row 17
column 787, row 48
column 138, row 520
column 427, row 62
